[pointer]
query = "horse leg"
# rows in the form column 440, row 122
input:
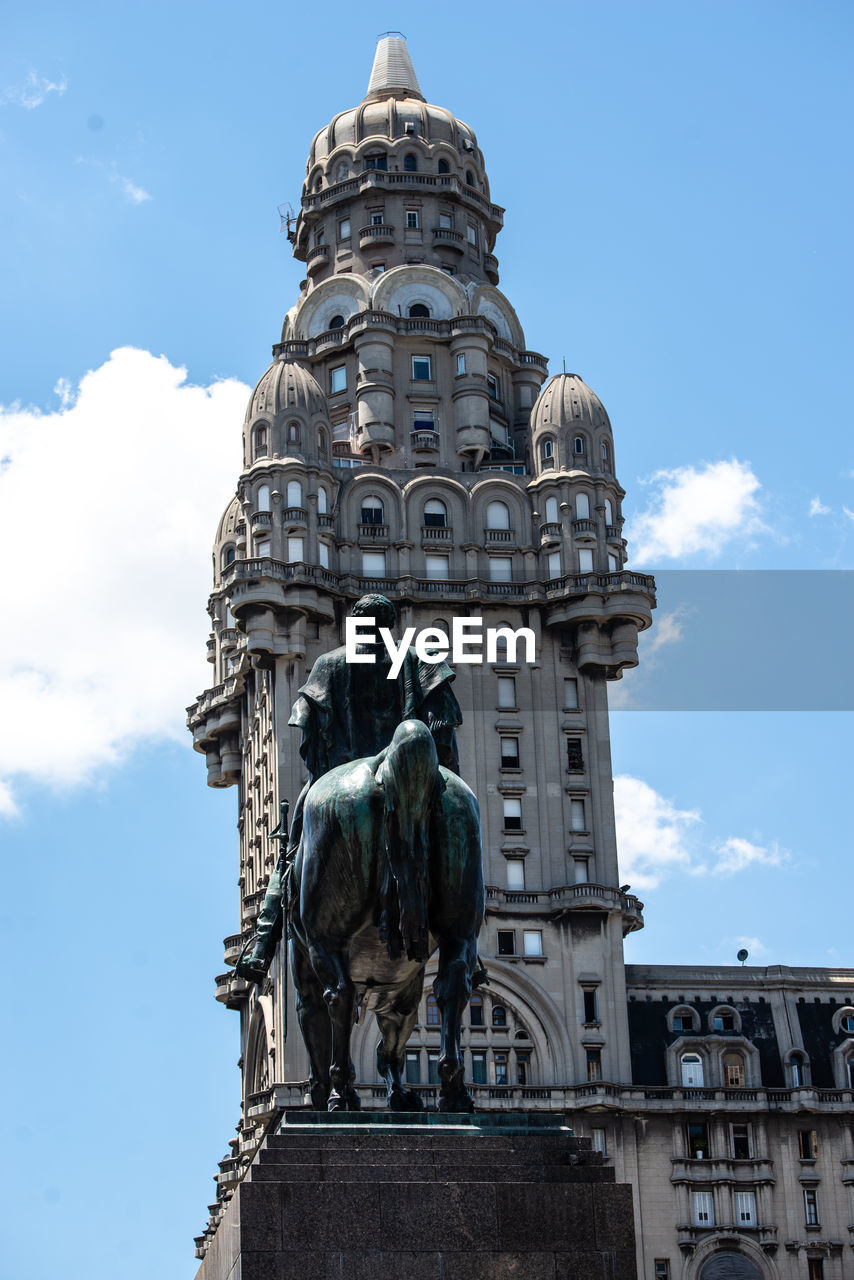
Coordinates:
column 395, row 1024
column 339, row 995
column 314, row 1024
column 452, row 989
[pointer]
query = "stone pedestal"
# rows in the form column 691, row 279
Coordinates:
column 382, row 1197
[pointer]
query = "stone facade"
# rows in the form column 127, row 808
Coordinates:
column 404, row 439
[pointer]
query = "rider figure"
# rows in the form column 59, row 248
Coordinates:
column 345, row 713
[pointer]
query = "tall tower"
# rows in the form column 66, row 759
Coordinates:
column 402, row 440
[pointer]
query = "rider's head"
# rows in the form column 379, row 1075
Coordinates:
column 377, row 607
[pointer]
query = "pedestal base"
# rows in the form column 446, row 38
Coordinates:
column 374, row 1196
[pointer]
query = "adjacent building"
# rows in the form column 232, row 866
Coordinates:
column 405, row 440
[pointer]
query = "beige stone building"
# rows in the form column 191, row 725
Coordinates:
column 405, row 440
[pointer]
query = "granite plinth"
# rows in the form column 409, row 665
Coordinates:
column 354, row 1196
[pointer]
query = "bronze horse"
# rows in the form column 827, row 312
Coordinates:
column 389, row 869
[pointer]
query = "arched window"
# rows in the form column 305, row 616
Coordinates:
column 321, row 501
column 435, row 514
column 434, row 1017
column 443, row 167
column 547, row 450
column 476, row 1011
column 727, row 1265
column 410, row 162
column 578, row 444
column 797, row 1070
column 263, row 500
column 582, row 506
column 606, row 453
column 733, row 1068
column 499, row 1015
column 293, row 433
column 376, row 160
column 846, row 1021
column 373, row 511
column 321, row 442
column 260, row 442
column 228, row 554
column 609, row 512
column 498, row 516
column 692, row 1070
column 342, row 171
column 418, row 311
column 294, row 493
column 551, row 511
column 337, row 322
column 469, row 178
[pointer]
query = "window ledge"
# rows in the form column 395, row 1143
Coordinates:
column 514, row 831
column 535, row 959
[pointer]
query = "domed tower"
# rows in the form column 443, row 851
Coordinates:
column 402, row 441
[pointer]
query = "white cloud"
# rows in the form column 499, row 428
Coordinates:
column 651, row 832
column 817, row 508
column 32, row 92
column 735, row 853
column 696, row 509
column 755, row 947
column 129, row 189
column 111, row 504
column 849, row 513
column 668, row 630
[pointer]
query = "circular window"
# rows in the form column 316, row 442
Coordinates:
column 337, row 322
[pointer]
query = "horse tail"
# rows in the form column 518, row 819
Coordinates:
column 410, row 778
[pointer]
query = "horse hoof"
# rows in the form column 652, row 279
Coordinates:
column 405, row 1100
column 353, row 1101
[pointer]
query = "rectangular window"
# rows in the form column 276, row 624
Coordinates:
column 578, row 819
column 421, row 369
column 432, row 1068
column 319, row 236
column 338, row 378
column 585, row 560
column 423, row 420
column 811, row 1207
column 594, row 1064
column 471, row 233
column 533, row 942
column 507, row 691
column 808, row 1144
column 683, row 1022
column 745, row 1208
column 509, row 753
column 501, row 1068
column 512, row 814
column 344, row 229
column 554, row 564
column 296, row 550
column 461, row 364
column 373, row 564
column 742, row 1148
column 478, row 1068
column 582, row 870
column 570, row 694
column 515, row 873
column 662, row 1269
column 413, row 1066
column 262, row 549
column 724, row 1022
column 574, row 755
column 815, row 1269
column 437, row 567
column 702, row 1209
column 476, row 1011
column 412, row 219
column 506, row 942
column 523, row 1068
column 500, row 569
column 492, row 386
column 445, row 220
column 613, row 565
column 600, row 1143
column 378, row 218
column 591, row 1013
column 697, row 1139
column 323, row 554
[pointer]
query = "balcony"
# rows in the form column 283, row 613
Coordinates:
column 260, row 521
column 295, row 515
column 317, row 258
column 494, row 537
column 377, row 233
column 584, row 529
column 613, row 533
column 549, row 534
column 424, row 441
column 233, row 945
column 447, row 238
column 490, row 266
column 231, row 990
column 228, row 638
column 325, row 521
column 436, row 533
column 373, row 533
column 557, row 903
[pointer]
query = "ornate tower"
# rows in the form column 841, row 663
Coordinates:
column 402, row 440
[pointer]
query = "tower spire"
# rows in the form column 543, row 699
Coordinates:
column 393, row 71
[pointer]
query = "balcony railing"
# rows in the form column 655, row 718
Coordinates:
column 373, row 532
column 295, row 515
column 437, row 533
column 491, row 536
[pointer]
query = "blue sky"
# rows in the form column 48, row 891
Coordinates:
column 678, row 230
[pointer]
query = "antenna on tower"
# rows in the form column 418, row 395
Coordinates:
column 564, row 364
column 287, row 220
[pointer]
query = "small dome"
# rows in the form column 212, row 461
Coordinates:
column 286, row 388
column 227, row 527
column 567, row 401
